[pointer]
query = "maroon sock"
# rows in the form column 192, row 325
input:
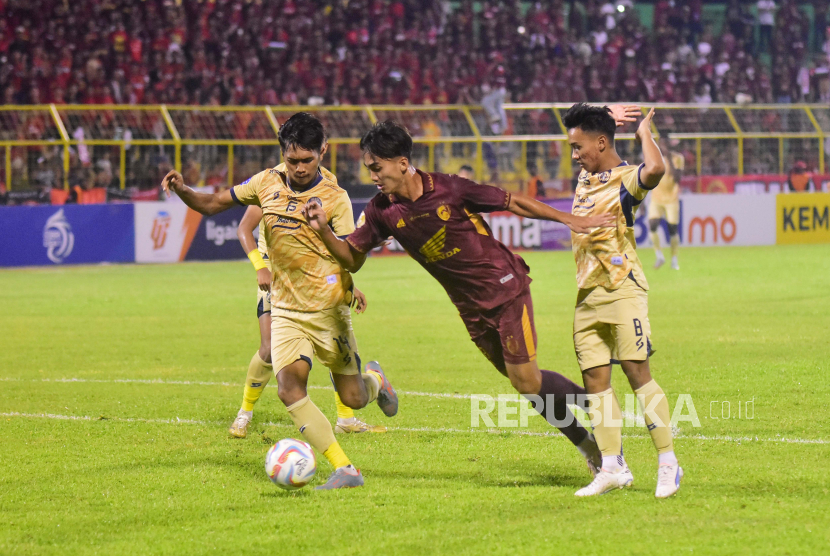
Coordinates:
column 557, row 391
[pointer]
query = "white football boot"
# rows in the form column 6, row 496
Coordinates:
column 674, row 264
column 239, row 427
column 668, row 480
column 661, row 259
column 606, row 481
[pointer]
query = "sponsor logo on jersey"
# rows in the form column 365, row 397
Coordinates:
column 159, row 232
column 58, row 238
column 417, row 216
column 506, row 279
column 584, row 202
column 444, row 212
column 433, row 249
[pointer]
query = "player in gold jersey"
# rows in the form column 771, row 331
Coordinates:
column 611, row 316
column 260, row 368
column 665, row 204
column 310, row 292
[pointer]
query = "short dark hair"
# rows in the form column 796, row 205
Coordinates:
column 387, row 140
column 466, row 168
column 304, row 131
column 596, row 119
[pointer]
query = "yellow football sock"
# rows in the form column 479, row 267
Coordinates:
column 259, row 373
column 343, row 411
column 316, row 429
column 606, row 419
column 660, row 435
column 675, row 244
column 655, row 240
column 372, row 380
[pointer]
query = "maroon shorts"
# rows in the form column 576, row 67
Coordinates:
column 505, row 334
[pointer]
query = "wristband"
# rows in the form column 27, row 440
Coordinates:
column 257, row 260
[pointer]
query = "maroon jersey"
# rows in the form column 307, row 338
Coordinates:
column 442, row 231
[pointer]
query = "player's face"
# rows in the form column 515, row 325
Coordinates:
column 302, row 165
column 587, row 148
column 387, row 175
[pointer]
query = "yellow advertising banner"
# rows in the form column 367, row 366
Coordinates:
column 802, row 218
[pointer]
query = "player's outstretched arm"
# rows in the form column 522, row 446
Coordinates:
column 204, row 203
column 346, row 256
column 245, row 233
column 531, row 208
column 653, row 165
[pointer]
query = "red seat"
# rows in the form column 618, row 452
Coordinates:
column 95, row 196
column 58, row 196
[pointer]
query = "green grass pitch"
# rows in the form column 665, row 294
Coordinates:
column 133, row 456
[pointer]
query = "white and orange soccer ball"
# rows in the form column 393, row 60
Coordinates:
column 290, row 464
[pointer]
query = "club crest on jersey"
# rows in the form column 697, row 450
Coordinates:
column 317, row 200
column 444, row 212
column 604, row 177
column 512, row 346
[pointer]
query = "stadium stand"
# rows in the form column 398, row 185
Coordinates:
column 292, row 52
column 210, row 62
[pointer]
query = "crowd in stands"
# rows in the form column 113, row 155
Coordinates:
column 339, row 52
column 407, row 51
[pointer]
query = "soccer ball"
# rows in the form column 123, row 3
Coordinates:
column 290, row 464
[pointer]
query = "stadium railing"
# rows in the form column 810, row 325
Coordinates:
column 223, row 145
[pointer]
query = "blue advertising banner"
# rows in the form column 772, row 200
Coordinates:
column 215, row 238
column 69, row 234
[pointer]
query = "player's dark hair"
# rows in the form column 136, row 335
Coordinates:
column 303, row 131
column 591, row 119
column 466, row 168
column 387, row 140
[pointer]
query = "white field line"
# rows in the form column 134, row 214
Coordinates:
column 737, row 439
column 204, row 383
column 638, row 419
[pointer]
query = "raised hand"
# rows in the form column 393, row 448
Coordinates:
column 173, row 181
column 644, row 129
column 624, row 113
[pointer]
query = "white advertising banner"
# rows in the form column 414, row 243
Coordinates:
column 163, row 231
column 717, row 219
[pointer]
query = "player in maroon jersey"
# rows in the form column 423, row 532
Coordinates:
column 434, row 217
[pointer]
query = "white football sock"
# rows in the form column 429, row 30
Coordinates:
column 667, row 458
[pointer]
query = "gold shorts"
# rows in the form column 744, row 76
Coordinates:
column 263, row 303
column 611, row 325
column 326, row 334
column 670, row 212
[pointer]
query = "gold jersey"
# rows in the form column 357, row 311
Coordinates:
column 668, row 190
column 305, row 276
column 607, row 256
